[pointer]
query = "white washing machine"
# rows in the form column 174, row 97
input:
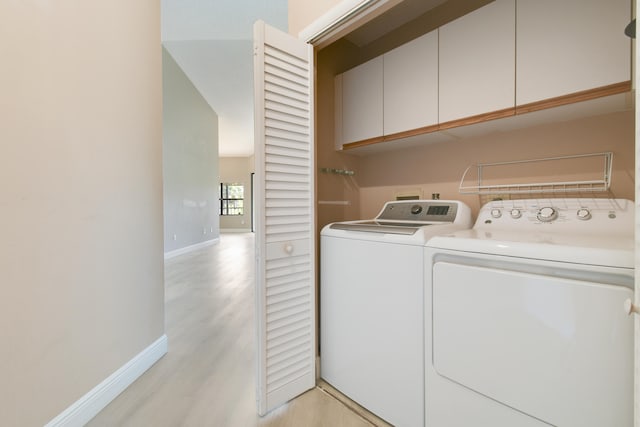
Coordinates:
column 527, row 324
column 371, row 305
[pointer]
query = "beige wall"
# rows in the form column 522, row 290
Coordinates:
column 338, row 195
column 304, row 12
column 237, row 170
column 438, row 168
column 190, row 161
column 81, row 260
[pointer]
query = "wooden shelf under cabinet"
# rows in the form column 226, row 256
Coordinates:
column 573, row 98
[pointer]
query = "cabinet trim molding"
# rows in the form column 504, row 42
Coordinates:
column 575, row 97
column 363, row 143
column 412, row 132
column 479, row 118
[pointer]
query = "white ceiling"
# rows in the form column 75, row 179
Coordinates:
column 211, row 40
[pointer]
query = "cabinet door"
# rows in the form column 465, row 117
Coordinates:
column 411, row 85
column 362, row 101
column 567, row 46
column 477, row 62
column 571, row 335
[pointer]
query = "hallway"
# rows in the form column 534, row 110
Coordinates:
column 207, row 377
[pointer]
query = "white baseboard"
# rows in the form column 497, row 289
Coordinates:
column 88, row 406
column 191, row 248
column 235, row 230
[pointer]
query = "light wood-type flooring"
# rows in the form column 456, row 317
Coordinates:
column 207, row 377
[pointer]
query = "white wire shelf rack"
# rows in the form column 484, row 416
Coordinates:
column 595, row 168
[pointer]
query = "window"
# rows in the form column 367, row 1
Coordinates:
column 231, row 199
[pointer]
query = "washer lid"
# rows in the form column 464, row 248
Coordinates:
column 610, row 251
column 406, row 221
column 378, row 227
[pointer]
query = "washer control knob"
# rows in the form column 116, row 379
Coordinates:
column 516, row 213
column 416, row 209
column 547, row 214
column 583, row 214
column 496, row 213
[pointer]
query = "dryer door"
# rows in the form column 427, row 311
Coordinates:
column 555, row 348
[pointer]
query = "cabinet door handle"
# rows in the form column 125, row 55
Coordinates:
column 288, row 248
column 630, row 308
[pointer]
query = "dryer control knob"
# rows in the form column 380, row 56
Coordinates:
column 547, row 214
column 583, row 214
column 516, row 213
column 416, row 209
column 496, row 213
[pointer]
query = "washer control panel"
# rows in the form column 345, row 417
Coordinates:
column 583, row 212
column 419, row 210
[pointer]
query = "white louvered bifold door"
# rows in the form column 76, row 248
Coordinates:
column 285, row 270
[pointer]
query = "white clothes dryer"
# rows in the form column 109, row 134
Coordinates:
column 526, row 323
column 371, row 305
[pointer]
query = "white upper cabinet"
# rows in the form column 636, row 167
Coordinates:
column 477, row 62
column 490, row 63
column 566, row 46
column 411, row 85
column 362, row 101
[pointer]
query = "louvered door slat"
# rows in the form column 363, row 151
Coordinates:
column 293, row 319
column 296, row 372
column 290, row 228
column 284, row 116
column 289, row 219
column 283, row 135
column 287, row 284
column 285, row 230
column 286, row 80
column 275, row 212
column 279, row 80
column 294, row 154
column 286, row 109
column 276, row 167
column 287, row 339
column 288, row 126
column 287, row 186
column 272, row 87
column 273, row 97
column 278, row 62
column 289, row 354
column 286, row 203
column 288, row 64
column 277, row 65
column 285, row 177
column 289, row 296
